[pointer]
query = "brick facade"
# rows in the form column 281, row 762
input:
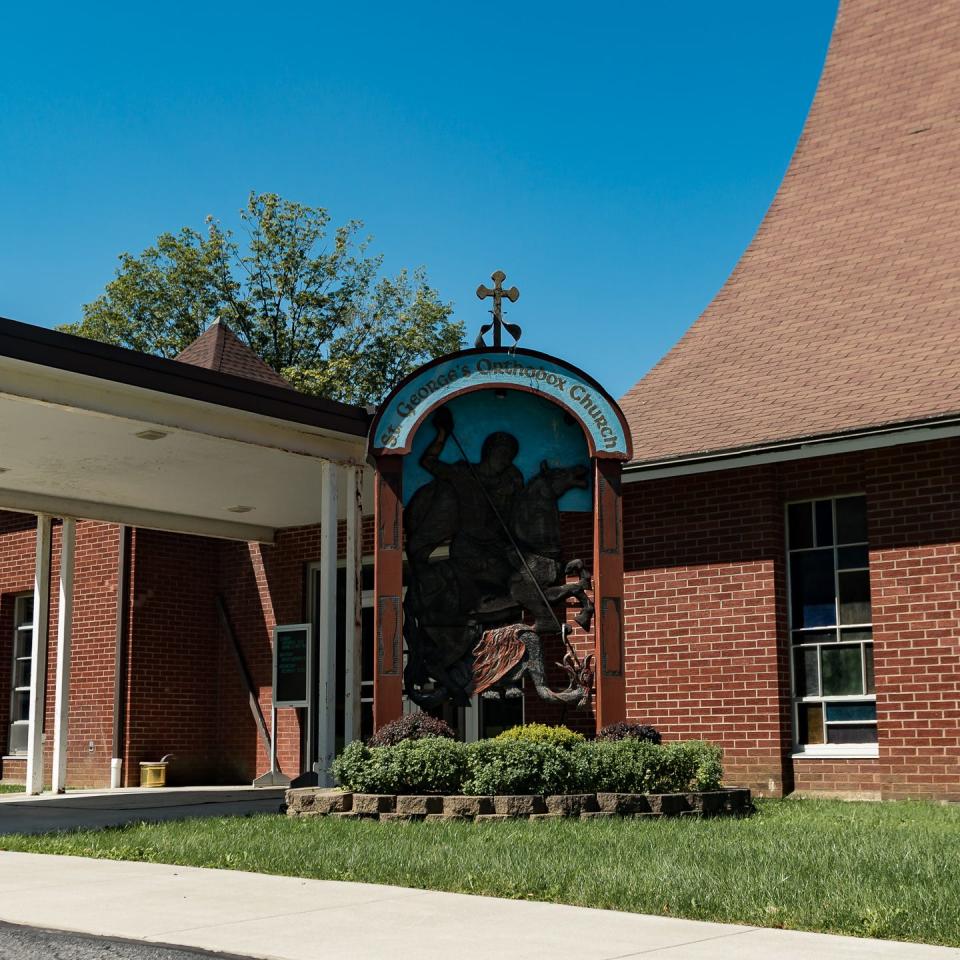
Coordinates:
column 706, row 642
column 94, row 632
column 706, row 622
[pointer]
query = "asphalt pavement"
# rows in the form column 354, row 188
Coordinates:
column 30, row 943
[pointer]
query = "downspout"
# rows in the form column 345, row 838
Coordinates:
column 120, row 656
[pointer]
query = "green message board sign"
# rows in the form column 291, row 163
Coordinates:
column 292, row 657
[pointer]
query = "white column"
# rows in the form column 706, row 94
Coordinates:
column 327, row 640
column 61, row 723
column 353, row 607
column 38, row 665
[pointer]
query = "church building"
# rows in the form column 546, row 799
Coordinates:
column 790, row 538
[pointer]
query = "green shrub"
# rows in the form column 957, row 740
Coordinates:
column 411, row 726
column 429, row 765
column 520, row 767
column 542, row 733
column 637, row 766
column 526, row 766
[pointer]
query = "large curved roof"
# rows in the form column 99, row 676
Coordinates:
column 844, row 312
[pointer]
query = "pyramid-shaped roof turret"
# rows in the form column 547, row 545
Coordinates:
column 219, row 348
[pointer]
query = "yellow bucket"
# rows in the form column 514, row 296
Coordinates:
column 153, row 774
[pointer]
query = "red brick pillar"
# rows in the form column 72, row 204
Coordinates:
column 608, row 593
column 388, row 591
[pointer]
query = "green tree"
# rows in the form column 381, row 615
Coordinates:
column 307, row 299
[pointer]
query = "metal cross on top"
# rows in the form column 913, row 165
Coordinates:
column 498, row 293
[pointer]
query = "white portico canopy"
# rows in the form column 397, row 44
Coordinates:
column 91, row 431
column 99, row 432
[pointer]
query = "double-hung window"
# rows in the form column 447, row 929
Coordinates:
column 830, row 623
column 20, row 677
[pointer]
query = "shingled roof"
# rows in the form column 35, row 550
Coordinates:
column 219, row 348
column 844, row 312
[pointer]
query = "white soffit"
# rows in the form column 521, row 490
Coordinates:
column 69, row 446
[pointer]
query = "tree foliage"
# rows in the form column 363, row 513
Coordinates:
column 308, row 299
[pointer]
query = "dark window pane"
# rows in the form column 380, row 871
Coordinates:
column 855, row 597
column 812, row 589
column 868, row 663
column 810, row 726
column 852, row 733
column 23, row 644
column 852, row 520
column 366, row 576
column 21, row 673
column 806, row 680
column 849, row 557
column 857, row 634
column 823, row 510
column 21, row 705
column 800, row 525
column 814, row 636
column 851, row 711
column 366, row 644
column 341, row 651
column 842, row 671
column 25, row 611
column 366, row 721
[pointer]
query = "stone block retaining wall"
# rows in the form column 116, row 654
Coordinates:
column 322, row 802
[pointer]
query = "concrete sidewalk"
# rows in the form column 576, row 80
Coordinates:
column 286, row 918
column 113, row 808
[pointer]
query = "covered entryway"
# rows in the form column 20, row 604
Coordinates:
column 94, row 432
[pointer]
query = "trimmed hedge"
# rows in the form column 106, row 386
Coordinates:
column 428, row 765
column 520, row 767
column 543, row 733
column 436, row 765
column 638, row 766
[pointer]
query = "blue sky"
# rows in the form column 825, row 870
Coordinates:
column 613, row 158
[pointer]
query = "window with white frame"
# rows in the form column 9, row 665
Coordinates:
column 20, row 675
column 831, row 630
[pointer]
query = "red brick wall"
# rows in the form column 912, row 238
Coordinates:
column 856, row 779
column 914, row 517
column 706, row 639
column 703, row 590
column 90, row 737
column 173, row 658
column 262, row 586
column 92, row 662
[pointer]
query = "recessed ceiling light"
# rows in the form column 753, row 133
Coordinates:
column 240, row 509
column 151, row 434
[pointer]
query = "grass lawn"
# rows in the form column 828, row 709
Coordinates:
column 11, row 788
column 887, row 870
